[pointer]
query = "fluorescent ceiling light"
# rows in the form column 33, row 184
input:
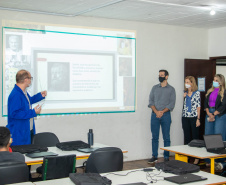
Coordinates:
column 212, row 12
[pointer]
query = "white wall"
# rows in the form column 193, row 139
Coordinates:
column 217, row 42
column 158, row 46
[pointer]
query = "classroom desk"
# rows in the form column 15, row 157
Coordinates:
column 140, row 176
column 79, row 155
column 183, row 151
column 24, row 183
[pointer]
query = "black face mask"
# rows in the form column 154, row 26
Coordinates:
column 161, row 79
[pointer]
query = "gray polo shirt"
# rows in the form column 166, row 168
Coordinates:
column 162, row 97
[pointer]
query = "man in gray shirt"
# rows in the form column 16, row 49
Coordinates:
column 5, row 141
column 161, row 100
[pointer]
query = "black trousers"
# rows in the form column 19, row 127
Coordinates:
column 32, row 134
column 190, row 130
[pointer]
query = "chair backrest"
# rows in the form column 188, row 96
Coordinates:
column 46, row 139
column 55, row 167
column 105, row 160
column 13, row 172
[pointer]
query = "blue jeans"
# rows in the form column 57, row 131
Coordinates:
column 165, row 122
column 216, row 127
column 224, row 165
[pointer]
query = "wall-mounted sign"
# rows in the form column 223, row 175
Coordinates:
column 201, row 84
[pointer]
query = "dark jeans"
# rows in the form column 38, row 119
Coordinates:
column 216, row 127
column 190, row 130
column 165, row 122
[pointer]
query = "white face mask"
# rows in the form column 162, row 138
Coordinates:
column 187, row 86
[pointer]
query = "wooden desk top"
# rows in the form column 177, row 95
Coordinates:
column 196, row 152
column 140, row 176
column 79, row 155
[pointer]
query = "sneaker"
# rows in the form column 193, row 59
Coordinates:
column 196, row 162
column 152, row 160
column 166, row 159
column 218, row 166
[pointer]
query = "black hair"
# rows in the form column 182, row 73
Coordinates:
column 165, row 71
column 4, row 137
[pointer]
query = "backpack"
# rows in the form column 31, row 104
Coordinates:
column 89, row 179
column 177, row 167
column 28, row 148
column 197, row 143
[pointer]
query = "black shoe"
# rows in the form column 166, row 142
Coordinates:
column 166, row 159
column 152, row 160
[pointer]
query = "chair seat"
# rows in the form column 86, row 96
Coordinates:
column 13, row 172
column 46, row 139
column 104, row 160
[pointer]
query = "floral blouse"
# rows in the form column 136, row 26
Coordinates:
column 191, row 104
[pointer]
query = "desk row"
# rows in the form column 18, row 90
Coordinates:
column 137, row 176
column 79, row 155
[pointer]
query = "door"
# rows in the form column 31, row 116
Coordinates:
column 201, row 68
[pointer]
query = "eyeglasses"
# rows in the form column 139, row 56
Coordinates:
column 11, row 140
column 31, row 78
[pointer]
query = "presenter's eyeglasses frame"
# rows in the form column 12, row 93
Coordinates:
column 31, row 78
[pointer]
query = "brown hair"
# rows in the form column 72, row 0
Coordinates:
column 21, row 75
column 221, row 80
column 193, row 83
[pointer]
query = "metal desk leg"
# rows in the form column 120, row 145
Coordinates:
column 212, row 169
column 180, row 157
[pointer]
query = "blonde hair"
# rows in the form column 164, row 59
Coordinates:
column 221, row 81
column 193, row 83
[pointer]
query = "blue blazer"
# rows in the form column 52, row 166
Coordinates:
column 19, row 114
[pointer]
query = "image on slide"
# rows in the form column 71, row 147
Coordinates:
column 59, row 78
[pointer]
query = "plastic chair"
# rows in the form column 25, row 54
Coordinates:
column 46, row 139
column 13, row 172
column 105, row 160
column 55, row 167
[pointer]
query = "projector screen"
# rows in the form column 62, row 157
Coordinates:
column 84, row 70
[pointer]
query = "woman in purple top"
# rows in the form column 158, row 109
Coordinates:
column 215, row 107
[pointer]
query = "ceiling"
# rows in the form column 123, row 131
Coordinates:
column 189, row 13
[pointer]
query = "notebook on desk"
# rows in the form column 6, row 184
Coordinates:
column 183, row 179
column 40, row 154
column 214, row 144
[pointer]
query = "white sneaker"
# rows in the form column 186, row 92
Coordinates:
column 218, row 166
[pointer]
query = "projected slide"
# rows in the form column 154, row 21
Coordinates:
column 83, row 70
